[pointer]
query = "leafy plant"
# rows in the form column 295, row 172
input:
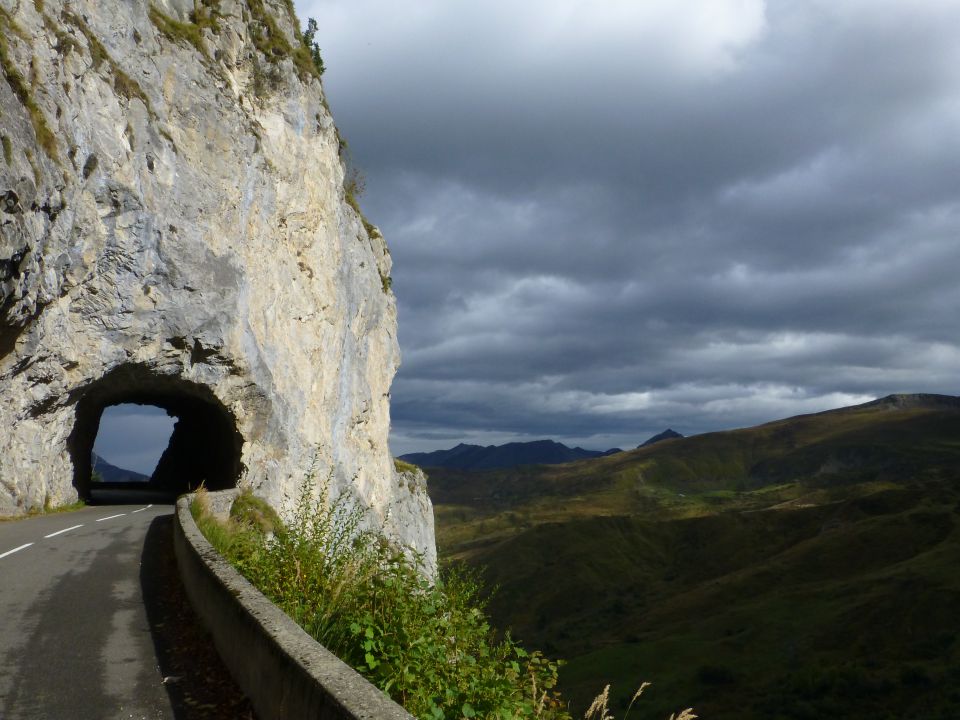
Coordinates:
column 427, row 644
column 354, row 185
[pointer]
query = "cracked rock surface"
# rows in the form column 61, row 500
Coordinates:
column 174, row 227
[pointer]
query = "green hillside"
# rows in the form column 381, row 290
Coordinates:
column 805, row 568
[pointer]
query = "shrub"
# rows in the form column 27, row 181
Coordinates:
column 312, row 47
column 427, row 644
column 255, row 513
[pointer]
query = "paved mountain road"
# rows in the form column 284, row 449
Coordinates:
column 84, row 632
column 75, row 639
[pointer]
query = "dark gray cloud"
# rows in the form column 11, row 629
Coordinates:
column 607, row 218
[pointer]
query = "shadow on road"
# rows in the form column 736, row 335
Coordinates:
column 125, row 495
column 198, row 684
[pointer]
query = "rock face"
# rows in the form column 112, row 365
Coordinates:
column 174, row 230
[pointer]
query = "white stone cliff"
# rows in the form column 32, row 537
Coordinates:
column 174, row 230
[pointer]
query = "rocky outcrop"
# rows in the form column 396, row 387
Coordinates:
column 174, row 230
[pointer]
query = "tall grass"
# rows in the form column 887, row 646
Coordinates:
column 426, row 643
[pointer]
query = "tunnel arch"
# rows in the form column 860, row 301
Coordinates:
column 205, row 446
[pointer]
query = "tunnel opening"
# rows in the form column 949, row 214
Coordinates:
column 204, row 446
column 130, row 442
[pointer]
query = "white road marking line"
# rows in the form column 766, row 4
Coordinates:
column 16, row 549
column 111, row 517
column 143, row 508
column 60, row 532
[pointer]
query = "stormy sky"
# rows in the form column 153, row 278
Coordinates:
column 611, row 217
column 607, row 218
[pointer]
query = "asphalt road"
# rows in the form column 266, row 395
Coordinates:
column 93, row 623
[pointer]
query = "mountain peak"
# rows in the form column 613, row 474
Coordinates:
column 900, row 401
column 668, row 434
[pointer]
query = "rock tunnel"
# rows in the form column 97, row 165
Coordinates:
column 204, row 447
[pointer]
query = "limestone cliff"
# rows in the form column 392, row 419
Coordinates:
column 174, row 230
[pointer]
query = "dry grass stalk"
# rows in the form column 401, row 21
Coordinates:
column 598, row 708
column 637, row 694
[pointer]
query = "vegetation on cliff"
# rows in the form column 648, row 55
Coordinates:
column 426, row 643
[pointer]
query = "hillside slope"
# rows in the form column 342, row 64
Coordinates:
column 111, row 473
column 804, row 568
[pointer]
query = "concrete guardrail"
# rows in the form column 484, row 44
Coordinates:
column 286, row 673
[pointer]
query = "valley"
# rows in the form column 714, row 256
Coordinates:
column 804, row 568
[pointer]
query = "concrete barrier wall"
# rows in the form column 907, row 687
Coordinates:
column 286, row 674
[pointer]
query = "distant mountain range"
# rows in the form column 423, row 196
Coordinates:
column 491, row 457
column 112, row 473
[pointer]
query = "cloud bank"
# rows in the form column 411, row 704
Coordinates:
column 607, row 218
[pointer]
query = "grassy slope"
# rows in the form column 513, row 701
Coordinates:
column 799, row 569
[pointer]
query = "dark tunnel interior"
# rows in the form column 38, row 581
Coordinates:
column 204, row 447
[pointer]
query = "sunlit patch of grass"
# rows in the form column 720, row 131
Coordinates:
column 123, row 84
column 176, row 31
column 21, row 88
column 403, row 467
column 427, row 643
column 47, row 509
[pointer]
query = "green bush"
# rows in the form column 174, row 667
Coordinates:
column 254, row 513
column 427, row 644
column 310, row 44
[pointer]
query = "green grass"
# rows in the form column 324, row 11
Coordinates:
column 47, row 509
column 65, row 43
column 810, row 460
column 427, row 644
column 176, row 31
column 270, row 40
column 266, row 35
column 20, row 87
column 801, row 569
column 402, row 466
column 723, row 610
column 123, row 84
